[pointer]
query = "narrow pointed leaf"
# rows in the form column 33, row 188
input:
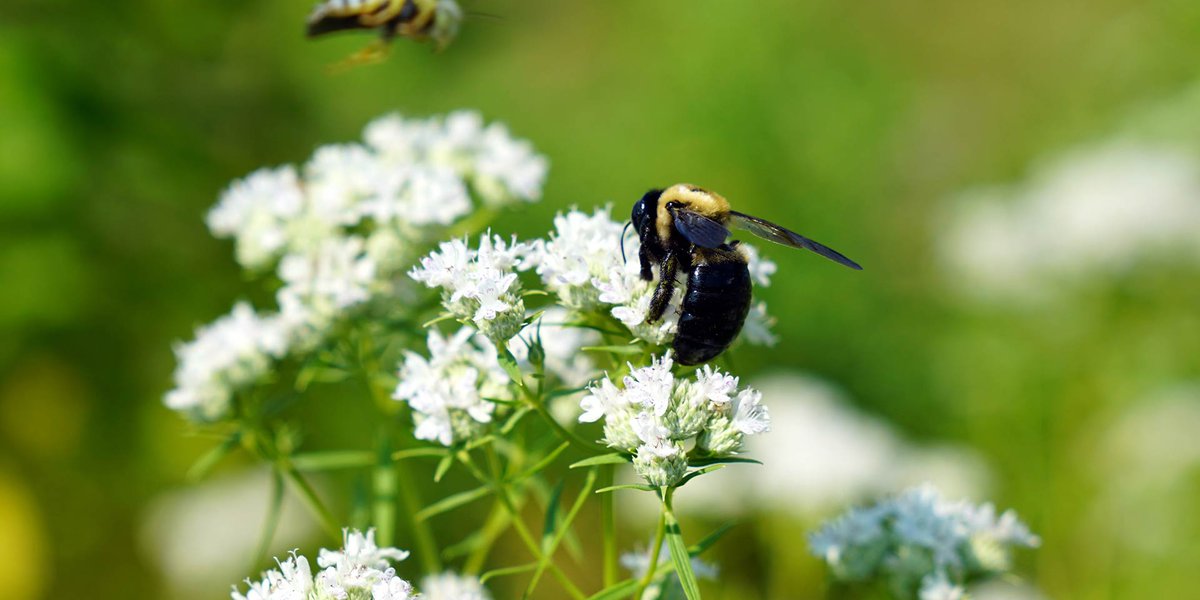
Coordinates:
column 681, row 559
column 627, row 486
column 332, row 460
column 451, row 502
column 505, row 571
column 627, row 350
column 614, row 458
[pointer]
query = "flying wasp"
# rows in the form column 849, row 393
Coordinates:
column 420, row 20
column 683, row 230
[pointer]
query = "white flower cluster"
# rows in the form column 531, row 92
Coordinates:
column 478, row 285
column 452, row 586
column 338, row 230
column 653, row 416
column 921, row 543
column 448, row 391
column 500, row 168
column 234, row 351
column 360, row 571
column 581, row 263
column 1095, row 212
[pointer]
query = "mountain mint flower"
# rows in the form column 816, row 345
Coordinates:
column 255, row 211
column 500, row 168
column 479, row 286
column 452, row 586
column 446, row 391
column 654, row 416
column 227, row 355
column 920, row 542
column 360, row 571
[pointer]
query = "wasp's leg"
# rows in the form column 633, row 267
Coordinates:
column 375, row 52
column 665, row 289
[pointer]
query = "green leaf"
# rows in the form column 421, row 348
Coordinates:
column 615, row 458
column 333, row 459
column 209, row 460
column 514, row 419
column 710, row 539
column 436, row 320
column 681, row 559
column 529, row 293
column 400, row 455
column 568, row 391
column 728, row 460
column 627, row 486
column 698, row 472
column 627, row 350
column 505, row 571
column 509, row 363
column 452, row 502
column 442, row 467
column 542, row 464
column 619, row 591
column 500, row 401
column 552, row 514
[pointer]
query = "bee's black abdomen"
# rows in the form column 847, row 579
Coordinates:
column 714, row 308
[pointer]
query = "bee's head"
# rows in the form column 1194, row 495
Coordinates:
column 644, row 209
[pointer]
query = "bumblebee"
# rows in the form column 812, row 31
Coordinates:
column 420, row 20
column 683, row 230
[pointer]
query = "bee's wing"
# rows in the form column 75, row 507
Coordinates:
column 780, row 235
column 699, row 229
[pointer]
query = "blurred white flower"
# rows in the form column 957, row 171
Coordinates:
column 938, row 587
column 452, row 586
column 326, row 281
column 1093, row 212
column 654, row 416
column 501, row 168
column 1139, row 456
column 206, row 533
column 478, row 285
column 920, row 540
column 447, row 391
column 1004, row 589
column 360, row 571
column 831, row 456
column 229, row 354
column 638, row 561
column 255, row 212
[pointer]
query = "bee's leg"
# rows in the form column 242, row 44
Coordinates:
column 375, row 52
column 644, row 258
column 665, row 289
column 391, row 9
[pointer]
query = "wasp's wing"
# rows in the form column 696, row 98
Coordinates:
column 772, row 232
column 699, row 229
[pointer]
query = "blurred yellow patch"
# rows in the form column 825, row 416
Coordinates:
column 22, row 545
column 43, row 407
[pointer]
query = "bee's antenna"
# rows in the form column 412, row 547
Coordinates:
column 628, row 224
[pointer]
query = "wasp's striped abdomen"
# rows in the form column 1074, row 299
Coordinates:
column 714, row 307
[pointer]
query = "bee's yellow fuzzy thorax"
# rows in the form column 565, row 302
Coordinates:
column 696, row 199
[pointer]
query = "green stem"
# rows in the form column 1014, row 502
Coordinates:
column 609, row 526
column 311, row 500
column 383, row 502
column 651, row 567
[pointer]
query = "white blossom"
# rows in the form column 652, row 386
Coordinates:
column 360, row 571
column 447, row 390
column 581, row 250
column 1093, row 212
column 452, row 586
column 322, row 284
column 255, row 211
column 919, row 539
column 478, row 285
column 655, row 416
column 227, row 355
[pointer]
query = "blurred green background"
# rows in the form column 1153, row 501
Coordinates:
column 860, row 124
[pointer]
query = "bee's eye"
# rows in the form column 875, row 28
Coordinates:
column 674, row 204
